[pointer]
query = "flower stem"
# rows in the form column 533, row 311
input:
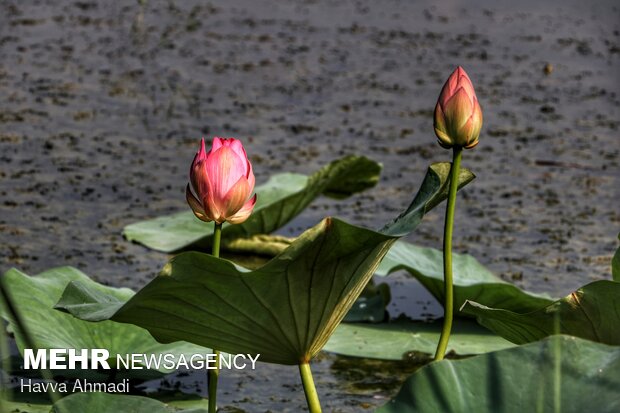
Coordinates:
column 217, row 237
column 214, row 373
column 312, row 397
column 447, row 255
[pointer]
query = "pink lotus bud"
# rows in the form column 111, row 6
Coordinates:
column 458, row 117
column 221, row 183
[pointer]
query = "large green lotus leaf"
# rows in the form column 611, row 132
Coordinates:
column 101, row 402
column 472, row 280
column 399, row 340
column 559, row 374
column 35, row 297
column 279, row 200
column 591, row 312
column 615, row 264
column 285, row 310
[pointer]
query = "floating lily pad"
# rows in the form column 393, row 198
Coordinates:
column 472, row 280
column 35, row 297
column 558, row 374
column 591, row 312
column 280, row 199
column 399, row 339
column 285, row 310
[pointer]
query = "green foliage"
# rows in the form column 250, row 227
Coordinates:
column 285, row 310
column 558, row 374
column 35, row 298
column 591, row 312
column 399, row 340
column 472, row 281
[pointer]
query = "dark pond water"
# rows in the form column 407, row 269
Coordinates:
column 102, row 104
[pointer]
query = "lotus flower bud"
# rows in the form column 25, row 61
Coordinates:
column 458, row 117
column 221, row 183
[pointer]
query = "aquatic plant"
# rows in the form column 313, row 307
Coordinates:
column 458, row 120
column 285, row 310
column 223, row 181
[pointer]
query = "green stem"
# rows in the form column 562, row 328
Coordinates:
column 214, row 374
column 212, row 378
column 312, row 397
column 447, row 255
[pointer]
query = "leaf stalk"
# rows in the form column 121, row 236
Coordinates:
column 213, row 375
column 312, row 397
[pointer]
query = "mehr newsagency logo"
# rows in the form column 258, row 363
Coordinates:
column 99, row 359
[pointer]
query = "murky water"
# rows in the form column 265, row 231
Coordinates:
column 102, row 104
